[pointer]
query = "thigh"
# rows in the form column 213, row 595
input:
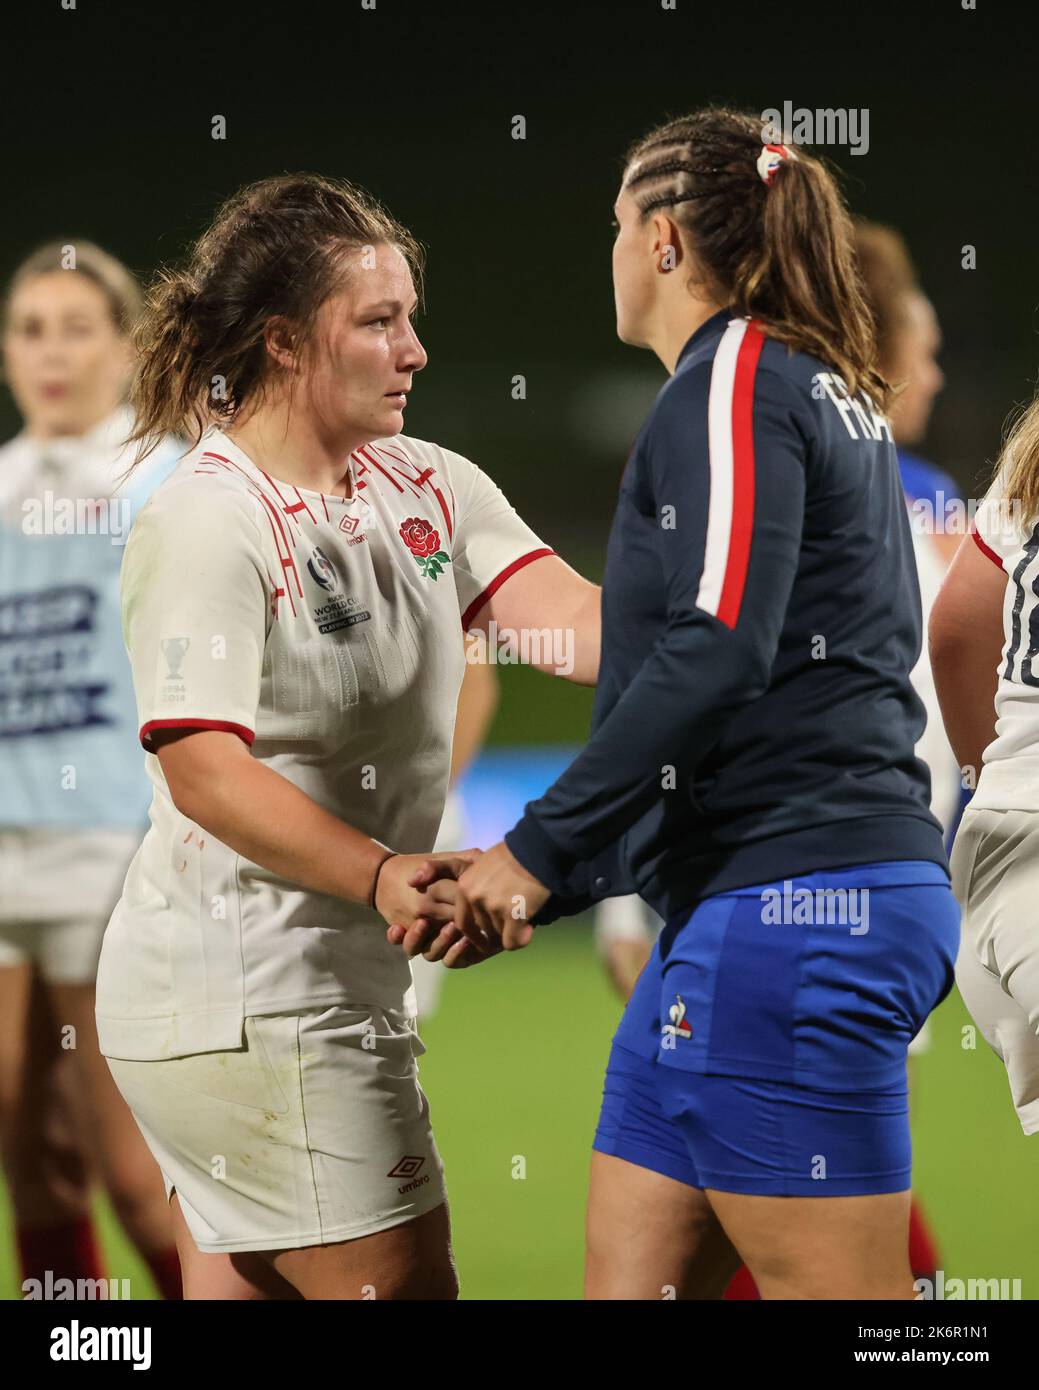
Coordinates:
column 1006, row 1026
column 821, row 1247
column 771, row 1138
column 650, row 1236
column 113, row 1136
column 997, row 969
column 241, row 1277
column 46, row 1163
column 410, row 1261
column 650, row 1231
column 16, row 1053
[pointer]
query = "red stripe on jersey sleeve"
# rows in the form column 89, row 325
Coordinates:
column 742, row 476
column 220, row 725
column 496, row 583
column 985, row 549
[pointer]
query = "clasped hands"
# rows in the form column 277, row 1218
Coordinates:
column 458, row 907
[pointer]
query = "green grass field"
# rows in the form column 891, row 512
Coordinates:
column 514, row 1070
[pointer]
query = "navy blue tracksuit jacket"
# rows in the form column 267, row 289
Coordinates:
column 754, row 718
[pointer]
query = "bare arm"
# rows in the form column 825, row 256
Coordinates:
column 965, row 639
column 216, row 782
column 548, row 597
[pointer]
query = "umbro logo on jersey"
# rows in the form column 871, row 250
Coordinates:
column 351, row 525
column 322, row 570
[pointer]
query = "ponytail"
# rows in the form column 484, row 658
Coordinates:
column 172, row 393
column 772, row 239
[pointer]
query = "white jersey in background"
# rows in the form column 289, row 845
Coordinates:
column 997, row 846
column 327, row 634
column 1009, row 777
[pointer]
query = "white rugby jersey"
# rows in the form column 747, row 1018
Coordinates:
column 1009, row 778
column 328, row 634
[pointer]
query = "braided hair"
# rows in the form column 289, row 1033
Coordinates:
column 780, row 251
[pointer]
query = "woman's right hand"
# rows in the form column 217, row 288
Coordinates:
column 432, row 934
column 413, row 887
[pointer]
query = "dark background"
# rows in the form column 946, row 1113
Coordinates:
column 107, row 113
column 107, row 116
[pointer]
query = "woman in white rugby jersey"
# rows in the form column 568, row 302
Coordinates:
column 294, row 599
column 984, row 641
column 73, row 802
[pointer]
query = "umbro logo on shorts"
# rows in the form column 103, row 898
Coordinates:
column 408, row 1167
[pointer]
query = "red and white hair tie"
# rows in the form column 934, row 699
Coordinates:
column 771, row 158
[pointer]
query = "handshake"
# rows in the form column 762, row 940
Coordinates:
column 459, row 907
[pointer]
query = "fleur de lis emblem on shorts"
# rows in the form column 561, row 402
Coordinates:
column 424, row 543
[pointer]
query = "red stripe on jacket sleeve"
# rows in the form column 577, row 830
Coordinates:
column 496, row 583
column 220, row 725
column 985, row 549
column 735, row 580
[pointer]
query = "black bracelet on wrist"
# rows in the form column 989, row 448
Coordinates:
column 390, row 854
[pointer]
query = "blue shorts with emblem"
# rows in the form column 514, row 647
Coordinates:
column 764, row 1048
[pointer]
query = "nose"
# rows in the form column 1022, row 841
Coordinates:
column 413, row 355
column 51, row 345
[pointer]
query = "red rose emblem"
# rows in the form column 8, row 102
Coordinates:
column 419, row 536
column 424, row 543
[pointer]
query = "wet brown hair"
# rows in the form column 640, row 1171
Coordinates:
column 782, row 254
column 278, row 247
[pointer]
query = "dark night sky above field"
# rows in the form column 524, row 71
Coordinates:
column 107, row 119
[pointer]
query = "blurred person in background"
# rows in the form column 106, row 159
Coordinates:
column 983, row 644
column 73, row 797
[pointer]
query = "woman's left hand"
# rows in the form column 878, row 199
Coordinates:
column 497, row 898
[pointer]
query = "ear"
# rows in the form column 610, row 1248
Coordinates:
column 667, row 243
column 281, row 342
